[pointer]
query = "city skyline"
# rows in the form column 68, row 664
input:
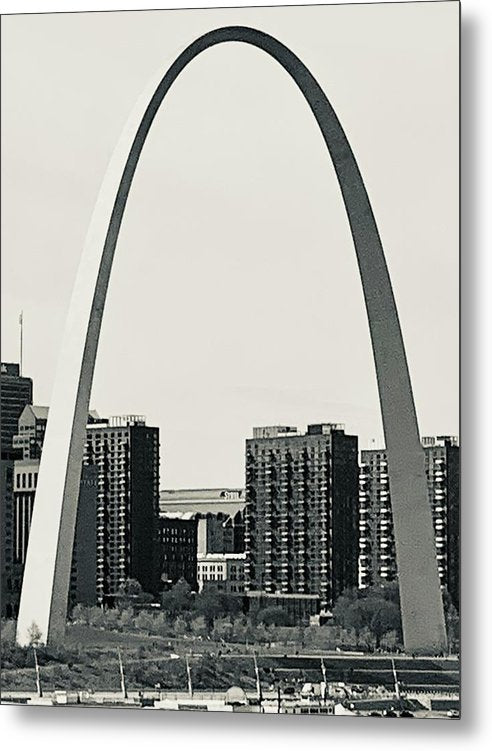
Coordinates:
column 232, row 357
column 298, row 430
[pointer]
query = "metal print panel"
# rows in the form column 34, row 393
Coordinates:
column 310, row 570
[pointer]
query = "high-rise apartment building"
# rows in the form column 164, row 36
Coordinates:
column 126, row 451
column 16, row 392
column 377, row 560
column 301, row 513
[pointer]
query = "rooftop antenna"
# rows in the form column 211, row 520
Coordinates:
column 21, row 324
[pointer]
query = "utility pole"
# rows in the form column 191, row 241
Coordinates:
column 258, row 683
column 323, row 671
column 122, row 676
column 395, row 678
column 188, row 672
column 38, row 676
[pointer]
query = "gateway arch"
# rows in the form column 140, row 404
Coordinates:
column 47, row 571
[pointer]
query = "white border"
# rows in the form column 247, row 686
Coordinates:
column 75, row 729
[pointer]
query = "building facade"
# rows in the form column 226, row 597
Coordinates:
column 222, row 571
column 7, row 577
column 301, row 514
column 126, row 452
column 178, row 549
column 202, row 500
column 16, row 392
column 29, row 437
column 299, row 608
column 377, row 555
column 20, row 483
column 220, row 533
column 83, row 573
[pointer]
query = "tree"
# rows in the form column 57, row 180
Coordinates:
column 385, row 618
column 213, row 604
column 145, row 622
column 34, row 633
column 125, row 619
column 273, row 616
column 376, row 608
column 199, row 626
column 180, row 626
column 177, row 600
column 79, row 614
column 222, row 629
column 8, row 630
column 130, row 593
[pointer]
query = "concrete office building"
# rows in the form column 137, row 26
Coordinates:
column 301, row 514
column 377, row 558
column 15, row 534
column 202, row 500
column 126, row 452
column 222, row 571
column 29, row 438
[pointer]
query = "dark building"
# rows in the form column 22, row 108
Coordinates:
column 7, row 579
column 299, row 608
column 126, row 452
column 83, row 582
column 377, row 561
column 220, row 533
column 16, row 392
column 301, row 514
column 178, row 549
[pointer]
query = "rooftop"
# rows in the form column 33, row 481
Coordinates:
column 285, row 431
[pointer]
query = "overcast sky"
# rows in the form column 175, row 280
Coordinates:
column 235, row 298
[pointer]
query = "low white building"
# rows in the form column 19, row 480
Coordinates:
column 225, row 571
